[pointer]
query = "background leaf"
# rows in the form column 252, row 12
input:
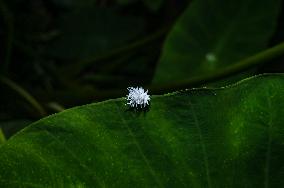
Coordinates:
column 97, row 31
column 229, row 137
column 214, row 34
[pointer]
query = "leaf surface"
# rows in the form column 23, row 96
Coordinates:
column 228, row 137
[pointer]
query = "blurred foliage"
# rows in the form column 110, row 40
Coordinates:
column 224, row 33
column 95, row 35
column 55, row 54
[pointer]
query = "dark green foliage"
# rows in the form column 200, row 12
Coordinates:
column 57, row 54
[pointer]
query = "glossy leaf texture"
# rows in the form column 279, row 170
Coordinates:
column 227, row 137
column 214, row 34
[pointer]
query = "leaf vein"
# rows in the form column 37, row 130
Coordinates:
column 203, row 146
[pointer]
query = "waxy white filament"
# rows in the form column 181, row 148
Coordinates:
column 137, row 97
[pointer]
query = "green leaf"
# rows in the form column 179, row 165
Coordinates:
column 214, row 34
column 92, row 31
column 228, row 137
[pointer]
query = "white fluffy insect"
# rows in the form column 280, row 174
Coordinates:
column 137, row 97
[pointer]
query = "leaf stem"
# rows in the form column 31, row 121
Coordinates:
column 2, row 136
column 259, row 58
column 22, row 92
column 238, row 67
column 80, row 66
